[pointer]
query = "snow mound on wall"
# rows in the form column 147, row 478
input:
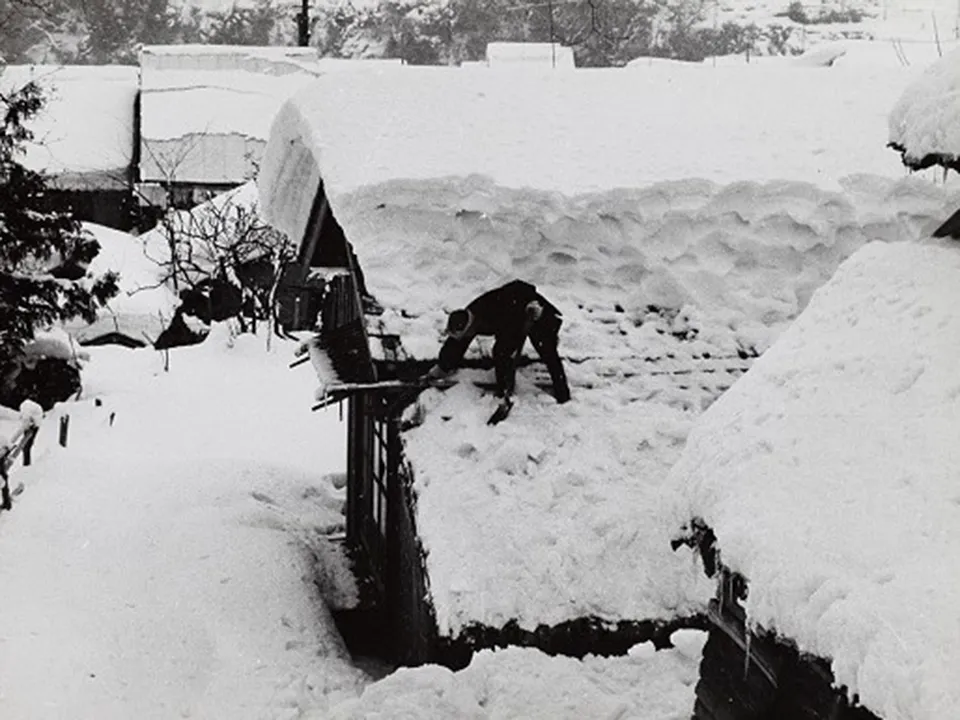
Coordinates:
column 746, row 254
column 829, row 476
column 523, row 682
column 926, row 119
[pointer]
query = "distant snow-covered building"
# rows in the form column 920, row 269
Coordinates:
column 548, row 529
column 84, row 136
column 529, row 55
column 827, row 481
column 205, row 114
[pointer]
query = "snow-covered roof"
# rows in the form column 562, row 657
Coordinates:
column 585, row 131
column 830, row 476
column 85, row 133
column 925, row 122
column 555, row 514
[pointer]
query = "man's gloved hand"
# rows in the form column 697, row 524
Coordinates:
column 434, row 373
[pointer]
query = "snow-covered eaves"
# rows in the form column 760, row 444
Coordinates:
column 84, row 135
column 829, row 475
column 206, row 110
column 924, row 125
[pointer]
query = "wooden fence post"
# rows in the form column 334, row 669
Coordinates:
column 5, row 502
column 64, row 429
column 28, row 445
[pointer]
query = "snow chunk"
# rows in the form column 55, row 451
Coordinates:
column 31, row 414
column 523, row 682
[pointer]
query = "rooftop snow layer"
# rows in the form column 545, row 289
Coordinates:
column 578, row 132
column 206, row 110
column 829, row 474
column 925, row 122
column 86, row 126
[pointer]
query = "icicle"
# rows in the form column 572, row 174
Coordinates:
column 746, row 657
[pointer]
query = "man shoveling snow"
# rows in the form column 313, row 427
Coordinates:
column 510, row 314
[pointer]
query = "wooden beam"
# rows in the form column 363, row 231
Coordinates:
column 314, row 228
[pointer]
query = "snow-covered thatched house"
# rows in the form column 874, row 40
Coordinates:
column 827, row 480
column 205, row 113
column 84, row 137
column 547, row 529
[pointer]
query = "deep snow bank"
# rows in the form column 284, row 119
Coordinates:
column 523, row 682
column 829, row 474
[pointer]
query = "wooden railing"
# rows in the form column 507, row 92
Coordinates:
column 21, row 445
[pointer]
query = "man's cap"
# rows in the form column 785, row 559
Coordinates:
column 458, row 321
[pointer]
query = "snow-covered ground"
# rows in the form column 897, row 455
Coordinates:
column 525, row 683
column 162, row 564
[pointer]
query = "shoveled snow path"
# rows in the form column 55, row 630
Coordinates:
column 158, row 564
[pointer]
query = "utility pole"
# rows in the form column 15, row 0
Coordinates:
column 553, row 46
column 303, row 24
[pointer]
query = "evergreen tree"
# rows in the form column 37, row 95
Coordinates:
column 42, row 252
column 116, row 28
